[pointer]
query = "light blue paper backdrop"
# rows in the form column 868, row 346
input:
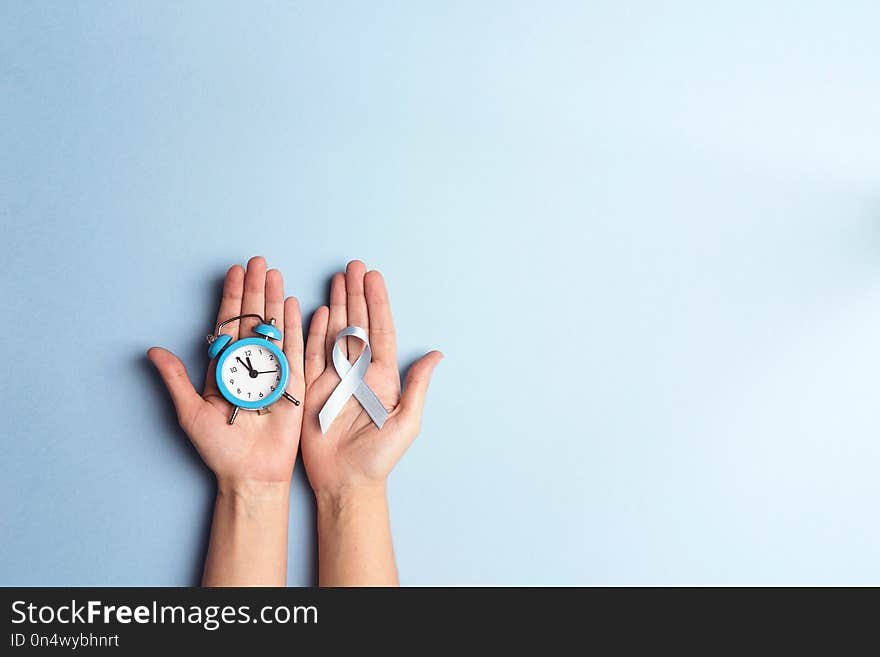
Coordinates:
column 646, row 235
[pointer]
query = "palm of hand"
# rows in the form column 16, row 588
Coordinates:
column 256, row 447
column 354, row 451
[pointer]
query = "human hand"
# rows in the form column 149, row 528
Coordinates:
column 257, row 448
column 354, row 454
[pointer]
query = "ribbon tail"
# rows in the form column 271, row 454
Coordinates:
column 374, row 408
column 323, row 422
column 333, row 406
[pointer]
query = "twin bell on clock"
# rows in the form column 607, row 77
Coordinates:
column 252, row 373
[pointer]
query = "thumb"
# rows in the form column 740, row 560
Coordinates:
column 186, row 399
column 416, row 388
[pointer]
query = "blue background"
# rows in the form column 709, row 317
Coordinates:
column 646, row 235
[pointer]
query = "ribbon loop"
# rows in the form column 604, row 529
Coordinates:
column 352, row 382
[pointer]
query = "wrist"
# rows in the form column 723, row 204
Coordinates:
column 249, row 534
column 339, row 500
column 354, row 537
column 253, row 491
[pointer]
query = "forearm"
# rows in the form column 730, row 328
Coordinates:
column 354, row 539
column 248, row 544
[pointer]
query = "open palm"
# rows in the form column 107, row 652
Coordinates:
column 256, row 447
column 354, row 450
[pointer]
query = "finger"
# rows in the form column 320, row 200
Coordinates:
column 383, row 342
column 254, row 299
column 230, row 303
column 230, row 306
column 186, row 400
column 356, row 304
column 338, row 315
column 293, row 344
column 275, row 298
column 316, row 351
column 416, row 389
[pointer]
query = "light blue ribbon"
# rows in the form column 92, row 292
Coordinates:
column 352, row 382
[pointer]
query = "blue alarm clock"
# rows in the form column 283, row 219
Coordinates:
column 252, row 373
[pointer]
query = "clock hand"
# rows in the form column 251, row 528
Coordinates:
column 269, row 372
column 251, row 371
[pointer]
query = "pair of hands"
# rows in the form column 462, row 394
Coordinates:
column 261, row 449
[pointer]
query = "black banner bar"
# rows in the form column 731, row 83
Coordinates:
column 124, row 620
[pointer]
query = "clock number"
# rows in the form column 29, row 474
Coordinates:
column 233, row 370
column 261, row 394
column 271, row 357
column 231, row 380
column 238, row 390
column 249, row 395
column 247, row 352
column 272, row 388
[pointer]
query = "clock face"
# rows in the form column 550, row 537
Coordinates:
column 251, row 372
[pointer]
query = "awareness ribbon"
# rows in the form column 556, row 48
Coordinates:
column 352, row 382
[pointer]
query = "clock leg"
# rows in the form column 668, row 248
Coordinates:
column 291, row 399
column 234, row 414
